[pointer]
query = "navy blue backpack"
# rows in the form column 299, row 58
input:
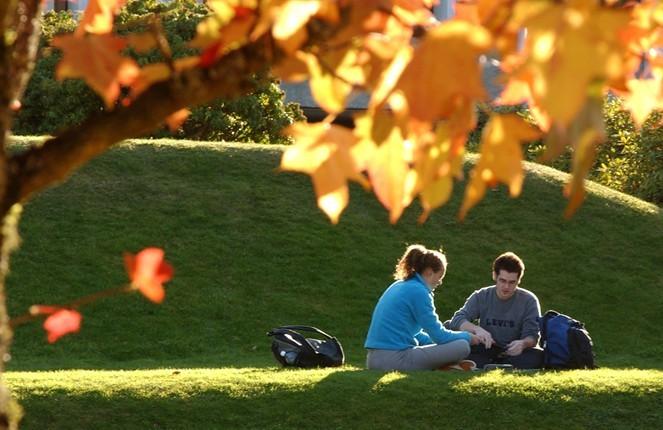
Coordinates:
column 566, row 343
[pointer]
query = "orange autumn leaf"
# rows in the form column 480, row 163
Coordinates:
column 155, row 72
column 413, row 16
column 460, row 44
column 218, row 37
column 500, row 158
column 142, row 43
column 292, row 69
column 365, row 18
column 148, row 75
column 494, row 16
column 62, row 322
column 98, row 16
column 148, row 271
column 467, row 11
column 332, row 156
column 415, row 4
column 97, row 60
column 175, row 120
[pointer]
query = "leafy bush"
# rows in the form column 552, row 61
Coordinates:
column 49, row 105
column 258, row 117
column 630, row 160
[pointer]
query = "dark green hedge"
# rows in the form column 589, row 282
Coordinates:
column 49, row 105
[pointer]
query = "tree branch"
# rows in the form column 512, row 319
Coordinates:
column 57, row 158
column 25, row 21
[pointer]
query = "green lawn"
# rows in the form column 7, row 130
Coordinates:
column 251, row 251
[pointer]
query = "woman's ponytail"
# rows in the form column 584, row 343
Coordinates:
column 416, row 259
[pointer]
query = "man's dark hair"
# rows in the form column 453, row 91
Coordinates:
column 509, row 262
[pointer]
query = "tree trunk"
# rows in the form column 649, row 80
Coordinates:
column 10, row 411
column 19, row 35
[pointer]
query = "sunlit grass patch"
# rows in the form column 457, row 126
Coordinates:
column 346, row 397
column 234, row 382
column 552, row 384
column 250, row 382
column 387, row 379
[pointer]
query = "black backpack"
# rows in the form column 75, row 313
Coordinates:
column 566, row 343
column 290, row 348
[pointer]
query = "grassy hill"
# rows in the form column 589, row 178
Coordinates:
column 251, row 251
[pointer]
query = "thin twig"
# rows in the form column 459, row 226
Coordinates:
column 31, row 315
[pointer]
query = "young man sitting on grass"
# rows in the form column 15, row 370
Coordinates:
column 507, row 315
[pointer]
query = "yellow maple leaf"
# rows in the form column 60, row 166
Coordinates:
column 500, row 158
column 332, row 156
column 97, row 60
column 388, row 168
column 287, row 19
column 208, row 30
column 436, row 165
column 98, row 16
column 389, row 76
column 293, row 16
column 570, row 46
column 643, row 97
column 333, row 76
column 517, row 91
column 586, row 132
column 460, row 43
column 494, row 16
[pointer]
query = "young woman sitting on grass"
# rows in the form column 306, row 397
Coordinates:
column 405, row 331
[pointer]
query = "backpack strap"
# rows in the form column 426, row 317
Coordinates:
column 544, row 334
column 544, row 324
column 307, row 328
column 288, row 331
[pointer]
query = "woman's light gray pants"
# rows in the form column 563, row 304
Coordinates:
column 419, row 357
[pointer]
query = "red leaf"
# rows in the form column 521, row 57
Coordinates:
column 62, row 322
column 209, row 55
column 242, row 12
column 148, row 271
column 176, row 119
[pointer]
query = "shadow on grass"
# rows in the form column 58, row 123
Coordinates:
column 352, row 399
